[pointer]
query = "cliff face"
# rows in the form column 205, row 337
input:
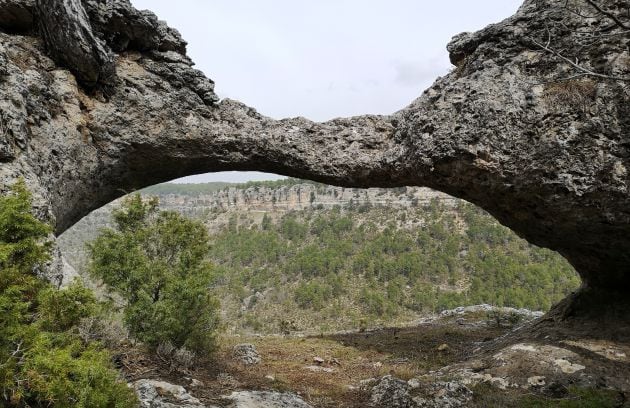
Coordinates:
column 533, row 125
column 301, row 197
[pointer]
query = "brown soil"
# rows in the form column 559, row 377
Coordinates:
column 403, row 352
column 408, row 352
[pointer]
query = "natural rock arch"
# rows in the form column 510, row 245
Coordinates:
column 532, row 125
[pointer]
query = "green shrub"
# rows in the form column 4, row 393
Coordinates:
column 156, row 260
column 486, row 395
column 313, row 295
column 375, row 303
column 44, row 362
column 74, row 376
column 60, row 310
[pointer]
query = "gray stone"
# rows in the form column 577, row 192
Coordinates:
column 446, row 395
column 391, row 392
column 246, row 354
column 505, row 316
column 124, row 28
column 17, row 15
column 67, row 33
column 319, row 369
column 265, row 399
column 160, row 394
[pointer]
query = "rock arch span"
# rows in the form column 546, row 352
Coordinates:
column 532, row 125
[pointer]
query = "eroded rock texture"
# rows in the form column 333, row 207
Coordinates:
column 533, row 125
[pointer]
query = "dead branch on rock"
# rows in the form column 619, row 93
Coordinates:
column 608, row 14
column 583, row 71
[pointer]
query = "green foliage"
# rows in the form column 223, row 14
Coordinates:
column 61, row 310
column 374, row 302
column 382, row 269
column 579, row 398
column 135, row 213
column 21, row 233
column 71, row 375
column 313, row 295
column 157, row 262
column 293, row 230
column 42, row 360
column 266, row 222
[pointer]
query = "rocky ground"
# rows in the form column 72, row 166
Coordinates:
column 468, row 357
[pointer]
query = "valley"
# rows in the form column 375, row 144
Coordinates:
column 296, row 256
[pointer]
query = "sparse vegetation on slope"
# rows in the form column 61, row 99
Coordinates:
column 185, row 189
column 340, row 268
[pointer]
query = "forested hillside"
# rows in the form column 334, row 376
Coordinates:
column 348, row 268
column 360, row 265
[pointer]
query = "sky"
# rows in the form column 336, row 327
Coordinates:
column 322, row 59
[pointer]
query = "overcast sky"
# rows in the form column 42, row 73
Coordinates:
column 322, row 59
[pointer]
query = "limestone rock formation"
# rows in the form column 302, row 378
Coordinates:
column 533, row 125
column 305, row 196
column 445, row 395
column 584, row 363
column 391, row 392
column 265, row 399
column 67, row 32
column 160, row 394
column 17, row 15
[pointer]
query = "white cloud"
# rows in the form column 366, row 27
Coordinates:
column 413, row 73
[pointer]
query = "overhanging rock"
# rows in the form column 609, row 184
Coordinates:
column 532, row 125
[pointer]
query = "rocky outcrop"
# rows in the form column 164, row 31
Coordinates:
column 160, row 394
column 69, row 38
column 303, row 197
column 532, row 125
column 17, row 15
column 391, row 392
column 449, row 394
column 265, row 399
column 536, row 367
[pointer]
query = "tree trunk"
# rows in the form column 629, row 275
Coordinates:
column 67, row 33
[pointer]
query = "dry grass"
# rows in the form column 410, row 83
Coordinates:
column 576, row 94
column 403, row 352
column 286, row 359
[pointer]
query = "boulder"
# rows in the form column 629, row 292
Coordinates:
column 246, row 354
column 391, row 392
column 445, row 395
column 265, row 399
column 160, row 394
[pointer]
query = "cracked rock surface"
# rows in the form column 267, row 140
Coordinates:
column 518, row 128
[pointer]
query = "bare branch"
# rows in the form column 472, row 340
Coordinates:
column 608, row 14
column 575, row 64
